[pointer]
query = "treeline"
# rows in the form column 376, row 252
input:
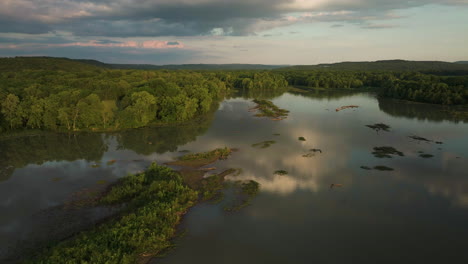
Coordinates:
column 413, row 86
column 98, row 99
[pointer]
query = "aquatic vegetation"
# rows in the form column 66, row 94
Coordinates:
column 346, row 107
column 379, row 126
column 155, row 201
column 383, row 168
column 268, row 109
column 311, row 153
column 277, row 134
column 197, row 160
column 301, row 138
column 111, row 162
column 379, row 168
column 246, row 192
column 426, row 156
column 56, row 179
column 184, row 151
column 281, row 172
column 386, row 152
column 101, row 182
column 264, row 144
column 334, row 185
column 418, row 138
column 211, row 187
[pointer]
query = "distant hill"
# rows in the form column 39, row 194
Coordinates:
column 389, row 65
column 44, row 63
column 65, row 64
column 186, row 66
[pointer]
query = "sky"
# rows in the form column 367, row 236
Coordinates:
column 235, row 31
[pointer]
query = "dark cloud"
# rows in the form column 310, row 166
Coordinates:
column 151, row 18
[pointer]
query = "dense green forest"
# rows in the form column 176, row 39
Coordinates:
column 71, row 95
column 61, row 94
column 413, row 86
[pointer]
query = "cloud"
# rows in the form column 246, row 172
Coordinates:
column 337, row 25
column 379, row 26
column 150, row 18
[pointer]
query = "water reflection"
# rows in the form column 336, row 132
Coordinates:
column 296, row 218
column 437, row 113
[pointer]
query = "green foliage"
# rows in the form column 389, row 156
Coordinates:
column 396, row 83
column 155, row 201
column 63, row 94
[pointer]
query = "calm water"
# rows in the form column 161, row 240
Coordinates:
column 417, row 213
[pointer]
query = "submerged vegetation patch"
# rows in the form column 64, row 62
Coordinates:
column 383, row 168
column 264, row 144
column 301, row 138
column 281, row 172
column 378, row 127
column 268, row 109
column 418, row 138
column 386, row 152
column 346, row 107
column 379, row 168
column 245, row 191
column 197, row 160
column 426, row 156
column 312, row 153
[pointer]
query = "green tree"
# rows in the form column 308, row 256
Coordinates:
column 10, row 107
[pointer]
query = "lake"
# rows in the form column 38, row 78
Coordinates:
column 327, row 209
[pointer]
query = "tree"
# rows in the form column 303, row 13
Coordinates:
column 10, row 107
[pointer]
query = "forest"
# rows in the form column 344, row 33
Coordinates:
column 406, row 85
column 58, row 94
column 63, row 95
